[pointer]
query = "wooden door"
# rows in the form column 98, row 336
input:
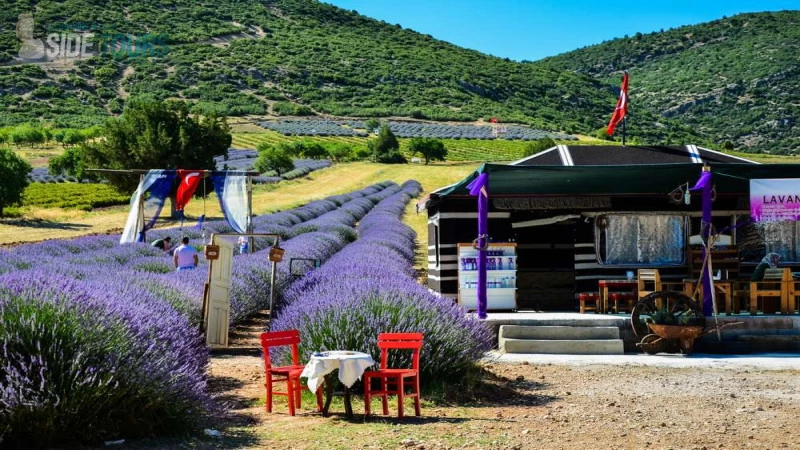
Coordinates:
column 218, row 295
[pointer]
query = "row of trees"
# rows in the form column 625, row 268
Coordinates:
column 152, row 134
column 30, row 135
column 384, row 148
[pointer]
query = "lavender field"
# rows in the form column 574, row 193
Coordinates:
column 100, row 340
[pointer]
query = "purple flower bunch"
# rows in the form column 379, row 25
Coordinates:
column 83, row 364
column 370, row 287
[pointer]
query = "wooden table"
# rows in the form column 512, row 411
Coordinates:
column 350, row 364
column 724, row 287
column 620, row 284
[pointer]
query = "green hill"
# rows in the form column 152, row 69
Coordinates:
column 295, row 57
column 735, row 79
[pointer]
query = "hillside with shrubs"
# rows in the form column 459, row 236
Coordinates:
column 735, row 80
column 293, row 57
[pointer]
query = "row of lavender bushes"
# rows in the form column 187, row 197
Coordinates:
column 370, row 287
column 99, row 341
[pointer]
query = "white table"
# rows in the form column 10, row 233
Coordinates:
column 351, row 366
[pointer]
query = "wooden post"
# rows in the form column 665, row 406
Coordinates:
column 249, row 229
column 272, row 285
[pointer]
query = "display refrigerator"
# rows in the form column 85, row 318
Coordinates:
column 501, row 276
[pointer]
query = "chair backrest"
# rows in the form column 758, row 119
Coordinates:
column 649, row 281
column 409, row 341
column 278, row 339
column 778, row 274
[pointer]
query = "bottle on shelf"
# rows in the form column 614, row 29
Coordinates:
column 510, row 264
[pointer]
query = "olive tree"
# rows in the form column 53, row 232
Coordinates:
column 272, row 158
column 429, row 148
column 14, row 173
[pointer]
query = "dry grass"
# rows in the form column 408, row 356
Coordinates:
column 42, row 224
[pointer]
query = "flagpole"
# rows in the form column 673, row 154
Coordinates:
column 624, row 121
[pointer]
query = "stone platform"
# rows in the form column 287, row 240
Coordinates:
column 756, row 334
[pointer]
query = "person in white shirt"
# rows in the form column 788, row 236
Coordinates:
column 185, row 256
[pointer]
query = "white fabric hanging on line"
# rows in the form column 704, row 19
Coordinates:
column 135, row 222
column 231, row 189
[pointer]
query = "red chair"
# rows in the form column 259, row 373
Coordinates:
column 395, row 381
column 288, row 374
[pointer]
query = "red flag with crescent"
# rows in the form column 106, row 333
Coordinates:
column 189, row 180
column 622, row 106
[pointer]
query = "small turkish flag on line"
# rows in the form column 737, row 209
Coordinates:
column 189, row 180
column 622, row 106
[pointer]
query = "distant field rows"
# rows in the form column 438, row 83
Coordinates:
column 458, row 149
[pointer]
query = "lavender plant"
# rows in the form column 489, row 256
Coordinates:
column 79, row 365
column 369, row 287
column 99, row 342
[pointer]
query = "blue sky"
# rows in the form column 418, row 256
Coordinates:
column 534, row 29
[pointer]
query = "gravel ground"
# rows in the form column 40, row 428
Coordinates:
column 548, row 402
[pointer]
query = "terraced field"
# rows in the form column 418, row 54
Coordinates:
column 458, row 149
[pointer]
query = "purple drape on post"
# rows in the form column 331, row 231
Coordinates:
column 480, row 188
column 704, row 183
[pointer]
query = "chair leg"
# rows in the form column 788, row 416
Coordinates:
column 290, row 394
column 366, row 395
column 753, row 303
column 385, row 388
column 298, row 392
column 269, row 393
column 417, row 409
column 319, row 399
column 400, row 396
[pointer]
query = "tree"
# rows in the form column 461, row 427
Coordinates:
column 71, row 162
column 314, row 150
column 429, row 148
column 385, row 148
column 14, row 173
column 272, row 158
column 340, row 152
column 372, row 124
column 539, row 145
column 152, row 135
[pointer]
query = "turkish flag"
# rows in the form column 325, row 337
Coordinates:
column 622, row 106
column 189, row 180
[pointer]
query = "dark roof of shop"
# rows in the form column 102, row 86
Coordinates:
column 642, row 179
column 609, row 155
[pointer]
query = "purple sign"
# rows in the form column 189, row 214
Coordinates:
column 775, row 200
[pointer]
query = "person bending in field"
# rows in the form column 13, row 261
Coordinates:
column 185, row 256
column 164, row 243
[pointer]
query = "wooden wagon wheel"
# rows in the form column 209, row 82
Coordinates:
column 651, row 344
column 671, row 301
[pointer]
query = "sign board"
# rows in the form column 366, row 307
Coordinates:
column 212, row 252
column 276, row 254
column 775, row 200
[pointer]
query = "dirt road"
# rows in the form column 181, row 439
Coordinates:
column 549, row 406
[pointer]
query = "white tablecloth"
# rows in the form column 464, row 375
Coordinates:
column 351, row 366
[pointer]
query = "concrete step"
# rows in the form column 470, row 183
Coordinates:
column 558, row 332
column 563, row 346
